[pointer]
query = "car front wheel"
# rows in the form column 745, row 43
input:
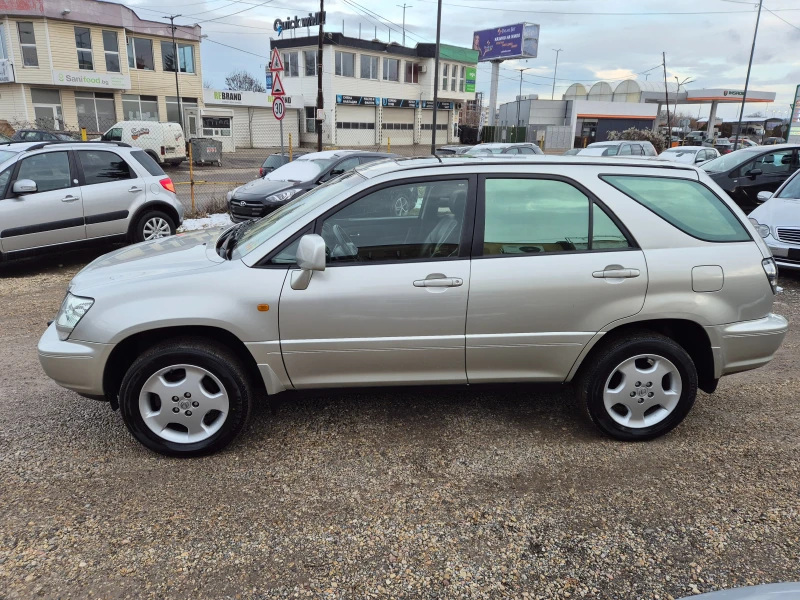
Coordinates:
column 186, row 398
column 638, row 387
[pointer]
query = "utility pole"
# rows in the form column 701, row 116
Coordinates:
column 177, row 65
column 554, row 72
column 404, row 7
column 666, row 96
column 747, row 79
column 436, row 76
column 519, row 98
column 319, row 74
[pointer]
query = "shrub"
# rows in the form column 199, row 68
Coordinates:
column 646, row 135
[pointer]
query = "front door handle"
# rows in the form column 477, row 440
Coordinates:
column 616, row 274
column 439, row 282
column 69, row 198
column 135, row 189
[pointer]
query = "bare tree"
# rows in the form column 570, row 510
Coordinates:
column 208, row 84
column 242, row 81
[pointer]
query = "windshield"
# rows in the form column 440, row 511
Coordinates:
column 726, row 162
column 486, row 150
column 265, row 228
column 300, row 170
column 5, row 155
column 274, row 161
column 791, row 189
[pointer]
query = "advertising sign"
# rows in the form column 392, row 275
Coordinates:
column 502, row 43
column 794, row 122
column 107, row 81
column 6, row 71
column 442, row 105
column 472, row 75
column 398, row 103
column 357, row 100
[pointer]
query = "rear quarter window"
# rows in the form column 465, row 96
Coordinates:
column 148, row 163
column 686, row 204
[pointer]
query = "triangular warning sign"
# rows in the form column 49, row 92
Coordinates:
column 275, row 63
column 277, row 85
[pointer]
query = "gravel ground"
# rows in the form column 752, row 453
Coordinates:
column 479, row 493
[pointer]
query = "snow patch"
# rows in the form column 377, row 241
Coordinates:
column 222, row 220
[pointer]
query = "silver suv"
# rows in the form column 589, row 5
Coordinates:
column 66, row 193
column 639, row 281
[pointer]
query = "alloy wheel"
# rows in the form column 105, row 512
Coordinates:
column 155, row 228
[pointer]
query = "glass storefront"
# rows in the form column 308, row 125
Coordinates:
column 96, row 111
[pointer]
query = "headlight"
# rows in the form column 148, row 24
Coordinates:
column 71, row 312
column 282, row 196
column 763, row 230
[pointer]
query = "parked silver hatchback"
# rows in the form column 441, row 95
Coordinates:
column 67, row 193
column 639, row 281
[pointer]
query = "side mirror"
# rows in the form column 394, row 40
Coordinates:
column 336, row 172
column 763, row 196
column 310, row 258
column 753, row 173
column 24, row 186
column 699, row 159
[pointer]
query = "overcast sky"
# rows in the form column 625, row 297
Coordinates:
column 707, row 41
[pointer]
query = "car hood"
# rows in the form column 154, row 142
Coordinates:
column 261, row 188
column 166, row 256
column 778, row 212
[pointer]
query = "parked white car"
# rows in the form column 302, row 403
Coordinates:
column 778, row 222
column 690, row 155
column 164, row 142
column 619, row 148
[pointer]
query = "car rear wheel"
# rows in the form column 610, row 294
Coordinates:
column 638, row 387
column 186, row 398
column 153, row 225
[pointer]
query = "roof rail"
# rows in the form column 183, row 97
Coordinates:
column 41, row 145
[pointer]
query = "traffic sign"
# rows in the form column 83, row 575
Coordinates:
column 278, row 108
column 275, row 63
column 277, row 85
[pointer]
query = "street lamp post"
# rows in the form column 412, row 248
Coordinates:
column 519, row 97
column 747, row 79
column 555, row 70
column 176, row 62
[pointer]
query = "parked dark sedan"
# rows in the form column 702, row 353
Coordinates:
column 40, row 135
column 745, row 173
column 262, row 196
column 273, row 161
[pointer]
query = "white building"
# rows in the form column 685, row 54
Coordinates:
column 375, row 92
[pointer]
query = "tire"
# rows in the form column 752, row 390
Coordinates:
column 153, row 224
column 208, row 372
column 667, row 389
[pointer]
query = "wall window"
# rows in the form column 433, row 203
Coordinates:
column 100, row 166
column 83, row 42
column 96, row 111
column 310, row 60
column 346, row 64
column 369, row 67
column 445, row 72
column 391, row 69
column 412, row 72
column 27, row 42
column 291, row 68
column 47, row 108
column 404, row 235
column 686, row 204
column 173, row 115
column 185, row 57
column 398, row 126
column 3, row 53
column 311, row 120
column 354, row 125
column 429, row 127
column 217, row 126
column 461, row 78
column 140, row 54
column 453, row 73
column 140, row 108
column 111, row 49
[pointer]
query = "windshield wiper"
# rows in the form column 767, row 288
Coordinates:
column 225, row 239
column 235, row 236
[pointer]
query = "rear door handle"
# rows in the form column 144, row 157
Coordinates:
column 616, row 274
column 135, row 189
column 439, row 282
column 69, row 198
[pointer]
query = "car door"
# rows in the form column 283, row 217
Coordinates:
column 51, row 215
column 551, row 267
column 391, row 305
column 110, row 188
column 766, row 173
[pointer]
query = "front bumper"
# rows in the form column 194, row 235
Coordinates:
column 77, row 366
column 746, row 345
column 780, row 252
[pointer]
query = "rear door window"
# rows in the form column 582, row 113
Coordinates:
column 685, row 204
column 147, row 162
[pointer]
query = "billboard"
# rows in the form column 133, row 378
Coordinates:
column 511, row 41
column 794, row 119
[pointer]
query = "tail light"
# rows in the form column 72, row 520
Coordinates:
column 261, row 171
column 163, row 151
column 167, row 184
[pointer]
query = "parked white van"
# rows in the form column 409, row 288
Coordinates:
column 164, row 142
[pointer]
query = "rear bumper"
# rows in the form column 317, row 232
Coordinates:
column 746, row 345
column 74, row 365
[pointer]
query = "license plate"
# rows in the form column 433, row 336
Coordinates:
column 794, row 253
